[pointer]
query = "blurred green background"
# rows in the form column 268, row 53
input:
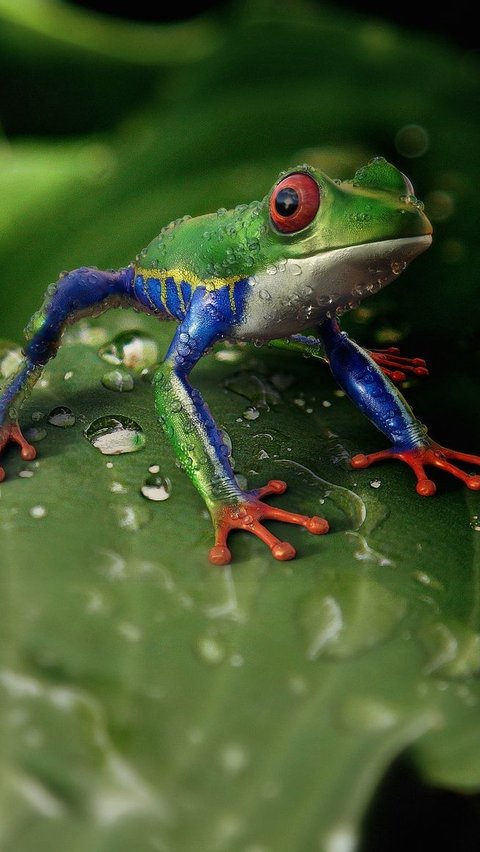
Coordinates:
column 152, row 702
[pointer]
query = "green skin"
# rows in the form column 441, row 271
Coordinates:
column 238, row 275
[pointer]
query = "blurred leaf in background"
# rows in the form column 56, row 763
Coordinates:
column 153, row 702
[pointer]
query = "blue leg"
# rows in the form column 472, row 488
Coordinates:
column 199, row 443
column 364, row 382
column 80, row 293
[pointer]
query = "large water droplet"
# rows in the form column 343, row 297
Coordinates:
column 452, row 649
column 132, row 349
column 156, row 487
column 61, row 416
column 349, row 617
column 115, row 434
column 118, row 380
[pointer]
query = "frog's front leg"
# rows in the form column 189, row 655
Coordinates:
column 78, row 293
column 199, row 444
column 373, row 393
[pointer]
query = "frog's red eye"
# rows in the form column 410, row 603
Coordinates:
column 294, row 203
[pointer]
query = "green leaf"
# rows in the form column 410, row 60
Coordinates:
column 153, row 701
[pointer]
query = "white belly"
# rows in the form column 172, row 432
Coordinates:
column 292, row 295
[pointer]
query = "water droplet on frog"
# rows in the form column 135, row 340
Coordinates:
column 264, row 295
column 115, row 434
column 26, row 473
column 61, row 416
column 154, row 468
column 210, row 650
column 157, row 488
column 135, row 350
column 251, row 413
column 37, row 415
column 452, row 649
column 38, row 512
column 475, row 523
column 68, row 375
column 342, row 838
column 132, row 518
column 118, row 380
column 375, row 483
column 397, row 266
column 10, row 358
column 350, row 617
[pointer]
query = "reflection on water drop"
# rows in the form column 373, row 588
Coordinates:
column 251, row 413
column 210, row 650
column 452, row 649
column 156, row 487
column 132, row 349
column 115, row 434
column 348, row 616
column 118, row 380
column 61, row 416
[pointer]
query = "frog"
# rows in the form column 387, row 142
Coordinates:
column 276, row 272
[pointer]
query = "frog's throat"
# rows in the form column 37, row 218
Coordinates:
column 303, row 291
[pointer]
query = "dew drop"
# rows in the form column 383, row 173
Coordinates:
column 118, row 380
column 132, row 349
column 132, row 518
column 475, row 523
column 35, row 433
column 61, row 416
column 115, row 434
column 154, row 468
column 38, row 512
column 156, row 487
column 251, row 413
column 264, row 295
column 234, row 758
column 375, row 483
column 397, row 266
column 452, row 649
column 210, row 650
column 68, row 375
column 26, row 473
column 362, row 712
column 10, row 358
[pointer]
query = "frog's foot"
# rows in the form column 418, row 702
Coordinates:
column 417, row 458
column 12, row 432
column 248, row 513
column 395, row 366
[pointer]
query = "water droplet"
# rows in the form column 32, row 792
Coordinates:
column 61, row 416
column 132, row 349
column 154, row 468
column 272, row 269
column 251, row 413
column 452, row 649
column 475, row 523
column 349, row 617
column 343, row 838
column 10, row 358
column 37, row 415
column 234, row 758
column 397, row 266
column 264, row 295
column 68, row 375
column 210, row 650
column 38, row 512
column 326, row 403
column 26, row 473
column 115, row 434
column 156, row 487
column 367, row 714
column 375, row 483
column 412, row 140
column 118, row 380
column 118, row 488
column 35, row 433
column 132, row 518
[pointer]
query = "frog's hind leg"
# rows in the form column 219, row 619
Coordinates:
column 83, row 292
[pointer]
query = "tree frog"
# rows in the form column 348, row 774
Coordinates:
column 265, row 272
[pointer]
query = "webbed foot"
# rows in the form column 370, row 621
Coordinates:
column 247, row 515
column 430, row 454
column 12, row 432
column 395, row 366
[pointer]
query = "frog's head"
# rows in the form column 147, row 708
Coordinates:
column 349, row 238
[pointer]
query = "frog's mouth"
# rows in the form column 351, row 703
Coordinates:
column 343, row 277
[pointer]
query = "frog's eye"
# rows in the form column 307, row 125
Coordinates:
column 294, row 203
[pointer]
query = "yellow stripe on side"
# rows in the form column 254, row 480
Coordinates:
column 179, row 275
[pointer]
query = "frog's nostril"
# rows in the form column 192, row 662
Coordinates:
column 408, row 184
